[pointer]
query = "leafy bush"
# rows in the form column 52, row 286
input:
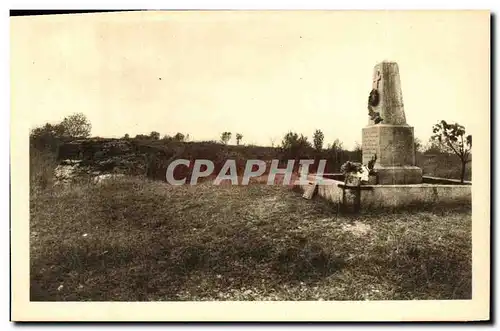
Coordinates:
column 76, row 126
column 295, row 147
column 225, row 137
column 154, row 135
column 52, row 136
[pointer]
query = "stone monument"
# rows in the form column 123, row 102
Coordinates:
column 388, row 141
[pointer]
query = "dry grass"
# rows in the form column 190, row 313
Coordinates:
column 443, row 165
column 141, row 240
column 42, row 165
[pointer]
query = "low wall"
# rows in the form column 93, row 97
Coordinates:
column 407, row 195
column 377, row 196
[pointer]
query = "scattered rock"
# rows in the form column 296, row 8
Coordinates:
column 103, row 253
column 70, row 162
column 102, row 178
column 357, row 229
column 64, row 173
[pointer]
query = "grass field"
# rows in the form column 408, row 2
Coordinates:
column 135, row 240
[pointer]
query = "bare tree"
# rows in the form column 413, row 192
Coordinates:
column 452, row 138
column 239, row 136
column 272, row 140
column 418, row 145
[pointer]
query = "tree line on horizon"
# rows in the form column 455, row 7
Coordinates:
column 449, row 138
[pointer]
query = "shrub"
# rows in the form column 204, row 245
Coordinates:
column 76, row 126
column 225, row 137
column 318, row 138
column 154, row 135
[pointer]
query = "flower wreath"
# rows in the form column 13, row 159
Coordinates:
column 373, row 101
column 374, row 98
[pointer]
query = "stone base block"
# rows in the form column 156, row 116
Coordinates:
column 398, row 175
column 392, row 144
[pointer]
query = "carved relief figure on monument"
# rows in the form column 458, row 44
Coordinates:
column 374, row 99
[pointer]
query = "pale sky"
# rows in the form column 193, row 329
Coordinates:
column 257, row 73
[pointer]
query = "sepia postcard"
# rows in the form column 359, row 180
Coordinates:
column 250, row 166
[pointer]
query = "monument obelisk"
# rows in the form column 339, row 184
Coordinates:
column 387, row 138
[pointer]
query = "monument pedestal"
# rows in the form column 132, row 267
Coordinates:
column 394, row 150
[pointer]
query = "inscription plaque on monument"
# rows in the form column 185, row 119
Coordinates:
column 387, row 135
column 370, row 145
